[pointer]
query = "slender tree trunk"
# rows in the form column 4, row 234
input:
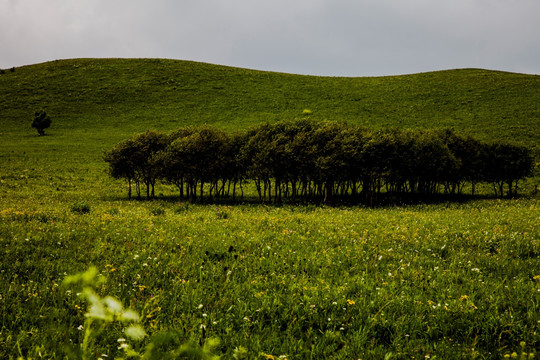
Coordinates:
column 277, row 192
column 258, row 186
column 293, row 194
column 242, row 190
column 202, row 190
column 327, row 192
column 138, row 189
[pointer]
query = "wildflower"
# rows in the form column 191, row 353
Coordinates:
column 350, row 302
column 463, row 297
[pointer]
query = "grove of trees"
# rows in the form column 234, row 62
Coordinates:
column 323, row 161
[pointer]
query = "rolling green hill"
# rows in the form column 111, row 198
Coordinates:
column 133, row 95
column 95, row 103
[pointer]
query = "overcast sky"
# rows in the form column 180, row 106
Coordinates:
column 317, row 37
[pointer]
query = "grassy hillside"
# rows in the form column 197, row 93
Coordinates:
column 133, row 95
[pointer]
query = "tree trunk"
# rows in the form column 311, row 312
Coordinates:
column 202, row 190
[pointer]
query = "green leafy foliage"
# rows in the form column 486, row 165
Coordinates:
column 308, row 160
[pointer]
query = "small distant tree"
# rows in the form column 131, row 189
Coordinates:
column 41, row 122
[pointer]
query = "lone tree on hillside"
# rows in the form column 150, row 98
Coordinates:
column 41, row 122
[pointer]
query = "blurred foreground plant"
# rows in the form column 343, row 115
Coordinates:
column 105, row 311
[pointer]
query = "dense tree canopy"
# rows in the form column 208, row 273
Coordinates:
column 137, row 160
column 317, row 161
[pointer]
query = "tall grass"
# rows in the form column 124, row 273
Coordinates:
column 451, row 280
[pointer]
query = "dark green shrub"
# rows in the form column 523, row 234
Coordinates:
column 41, row 122
column 182, row 208
column 80, row 207
column 157, row 211
column 222, row 214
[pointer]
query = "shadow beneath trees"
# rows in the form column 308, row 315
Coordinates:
column 382, row 201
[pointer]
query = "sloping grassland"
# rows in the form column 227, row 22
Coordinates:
column 133, row 95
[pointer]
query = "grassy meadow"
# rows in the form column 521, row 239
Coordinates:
column 448, row 280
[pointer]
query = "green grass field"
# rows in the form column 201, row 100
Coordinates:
column 449, row 280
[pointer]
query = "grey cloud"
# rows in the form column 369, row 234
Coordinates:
column 325, row 37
